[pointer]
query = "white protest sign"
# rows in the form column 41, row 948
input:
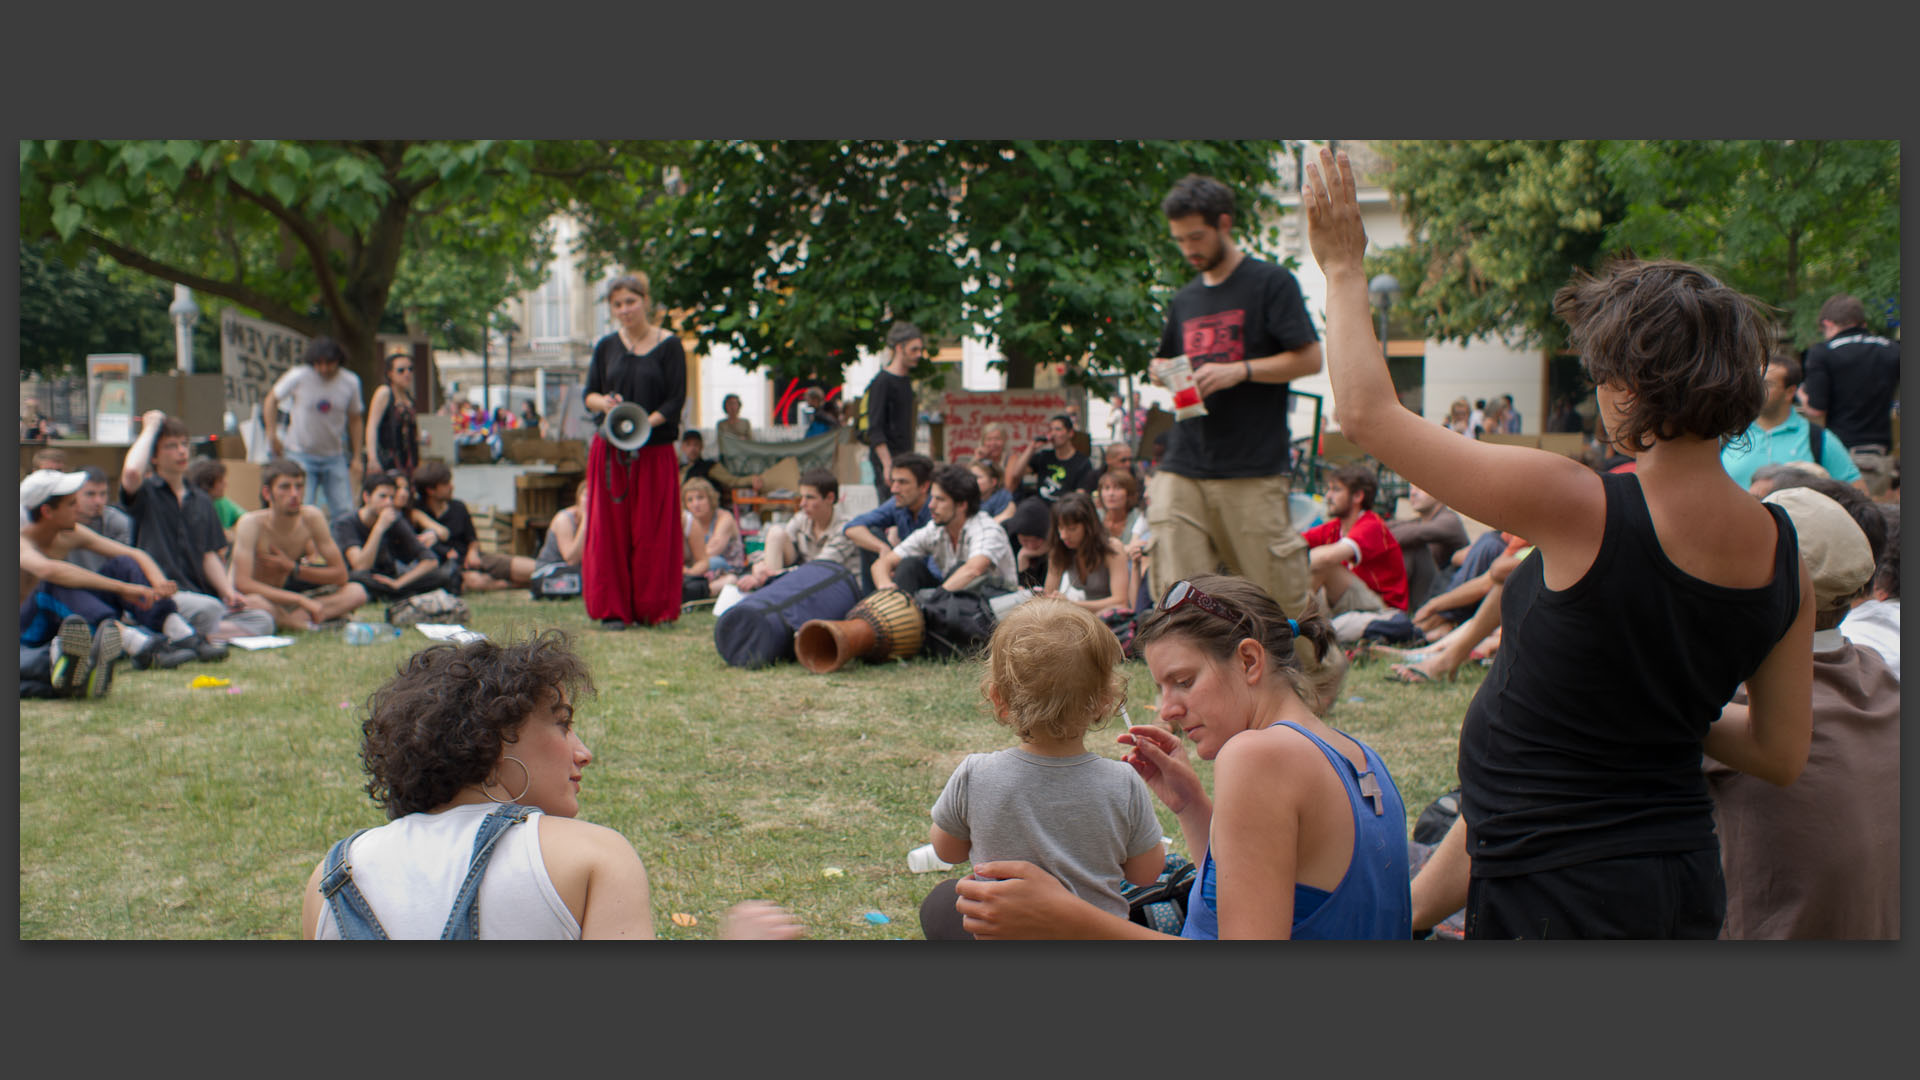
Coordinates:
column 253, row 354
column 1025, row 412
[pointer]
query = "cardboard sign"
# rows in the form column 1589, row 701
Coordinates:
column 1025, row 412
column 254, row 354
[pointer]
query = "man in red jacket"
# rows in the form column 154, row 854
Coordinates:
column 1357, row 568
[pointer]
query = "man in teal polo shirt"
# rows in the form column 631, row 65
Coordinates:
column 1780, row 434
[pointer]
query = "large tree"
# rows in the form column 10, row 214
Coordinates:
column 320, row 235
column 1496, row 227
column 94, row 306
column 798, row 253
column 1790, row 221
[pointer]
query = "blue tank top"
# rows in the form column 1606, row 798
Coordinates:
column 1374, row 901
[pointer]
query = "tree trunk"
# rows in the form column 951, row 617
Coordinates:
column 1020, row 368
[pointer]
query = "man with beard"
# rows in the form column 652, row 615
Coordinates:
column 968, row 549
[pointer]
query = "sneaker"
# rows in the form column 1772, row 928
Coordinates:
column 72, row 648
column 613, row 624
column 203, row 650
column 108, row 650
column 163, row 655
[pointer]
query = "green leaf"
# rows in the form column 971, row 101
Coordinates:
column 283, row 187
column 66, row 220
column 181, row 152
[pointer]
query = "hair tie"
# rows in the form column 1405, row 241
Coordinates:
column 1293, row 628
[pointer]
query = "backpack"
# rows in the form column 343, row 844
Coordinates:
column 859, row 420
column 438, row 606
column 1437, row 818
column 1162, row 905
column 958, row 624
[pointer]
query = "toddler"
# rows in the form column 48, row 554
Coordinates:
column 1052, row 671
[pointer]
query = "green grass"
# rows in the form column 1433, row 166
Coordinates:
column 167, row 812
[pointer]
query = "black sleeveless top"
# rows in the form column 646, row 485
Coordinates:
column 399, row 437
column 1584, row 742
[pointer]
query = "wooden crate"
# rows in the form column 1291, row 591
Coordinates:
column 529, row 532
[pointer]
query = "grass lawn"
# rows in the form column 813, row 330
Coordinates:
column 167, row 812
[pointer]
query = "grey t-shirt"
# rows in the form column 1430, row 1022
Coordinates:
column 114, row 524
column 1078, row 818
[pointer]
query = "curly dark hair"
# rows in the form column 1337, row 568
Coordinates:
column 1689, row 349
column 439, row 724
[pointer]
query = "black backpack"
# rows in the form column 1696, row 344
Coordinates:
column 958, row 623
column 1162, row 905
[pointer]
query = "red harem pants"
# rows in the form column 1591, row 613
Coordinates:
column 630, row 569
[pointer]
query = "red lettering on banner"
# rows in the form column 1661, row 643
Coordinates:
column 1024, row 412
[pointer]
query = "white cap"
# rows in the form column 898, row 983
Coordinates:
column 46, row 484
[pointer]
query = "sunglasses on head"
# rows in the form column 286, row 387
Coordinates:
column 1186, row 592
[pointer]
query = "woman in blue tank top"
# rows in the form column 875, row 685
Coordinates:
column 1306, row 821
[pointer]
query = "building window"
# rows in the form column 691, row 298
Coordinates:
column 551, row 305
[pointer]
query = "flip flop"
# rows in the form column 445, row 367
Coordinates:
column 1412, row 676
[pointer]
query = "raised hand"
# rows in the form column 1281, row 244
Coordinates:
column 1162, row 762
column 1334, row 229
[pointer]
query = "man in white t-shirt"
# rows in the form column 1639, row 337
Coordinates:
column 325, row 432
column 970, row 550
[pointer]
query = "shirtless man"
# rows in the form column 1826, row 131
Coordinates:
column 263, row 567
column 80, row 608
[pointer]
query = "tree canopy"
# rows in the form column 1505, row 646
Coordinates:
column 321, row 235
column 797, row 253
column 1497, row 227
column 93, row 306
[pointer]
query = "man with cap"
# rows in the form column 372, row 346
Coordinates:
column 69, row 636
column 1820, row 858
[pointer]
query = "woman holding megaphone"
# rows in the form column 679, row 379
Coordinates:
column 630, row 571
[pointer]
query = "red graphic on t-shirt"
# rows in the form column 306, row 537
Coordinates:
column 325, row 406
column 1216, row 338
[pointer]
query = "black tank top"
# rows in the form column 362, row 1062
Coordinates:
column 1584, row 742
column 399, row 437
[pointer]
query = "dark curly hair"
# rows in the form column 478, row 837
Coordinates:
column 1690, row 350
column 438, row 725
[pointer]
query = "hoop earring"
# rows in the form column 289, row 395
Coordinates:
column 523, row 791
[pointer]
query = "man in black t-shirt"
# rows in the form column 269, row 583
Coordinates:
column 377, row 544
column 468, row 567
column 890, row 411
column 1060, row 467
column 1852, row 379
column 1219, row 495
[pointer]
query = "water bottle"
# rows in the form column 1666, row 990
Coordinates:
column 360, row 633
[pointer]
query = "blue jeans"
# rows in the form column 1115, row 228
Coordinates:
column 329, row 472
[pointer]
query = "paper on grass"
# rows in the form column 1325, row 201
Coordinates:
column 449, row 632
column 251, row 643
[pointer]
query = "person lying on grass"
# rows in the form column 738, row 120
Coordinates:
column 464, row 744
column 1305, row 835
column 1052, row 671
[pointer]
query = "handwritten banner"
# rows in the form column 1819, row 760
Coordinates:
column 1025, row 412
column 253, row 354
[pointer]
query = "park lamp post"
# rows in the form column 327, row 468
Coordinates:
column 1383, row 289
column 185, row 313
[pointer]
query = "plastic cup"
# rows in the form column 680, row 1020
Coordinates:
column 1177, row 373
column 922, row 860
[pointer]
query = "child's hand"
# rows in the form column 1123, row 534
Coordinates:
column 758, row 920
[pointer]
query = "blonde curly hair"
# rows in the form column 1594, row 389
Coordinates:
column 1052, row 670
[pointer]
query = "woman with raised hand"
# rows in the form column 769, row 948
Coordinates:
column 473, row 752
column 1650, row 598
column 1304, row 835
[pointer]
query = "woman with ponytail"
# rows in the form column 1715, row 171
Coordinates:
column 1305, row 834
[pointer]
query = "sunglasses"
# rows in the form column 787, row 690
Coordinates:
column 1186, row 592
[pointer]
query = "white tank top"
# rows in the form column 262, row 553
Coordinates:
column 409, row 871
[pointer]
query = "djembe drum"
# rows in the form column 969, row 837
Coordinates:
column 884, row 626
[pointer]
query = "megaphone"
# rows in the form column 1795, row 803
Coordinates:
column 626, row 427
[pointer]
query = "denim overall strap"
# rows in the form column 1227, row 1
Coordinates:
column 463, row 922
column 351, row 915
